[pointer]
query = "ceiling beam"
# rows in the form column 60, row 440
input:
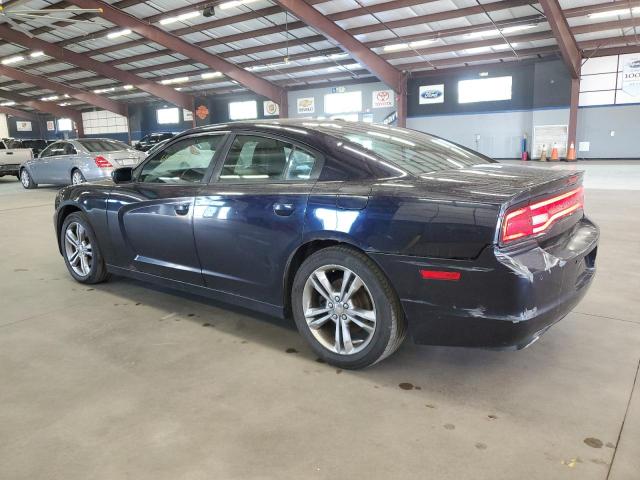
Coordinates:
column 47, row 107
column 43, row 82
column 176, row 44
column 372, row 61
column 14, row 112
column 561, row 31
column 166, row 93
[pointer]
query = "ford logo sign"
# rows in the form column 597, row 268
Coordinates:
column 431, row 94
column 634, row 64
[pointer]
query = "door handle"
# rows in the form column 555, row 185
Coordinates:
column 182, row 209
column 9, row 153
column 283, row 209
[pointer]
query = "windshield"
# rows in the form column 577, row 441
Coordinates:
column 415, row 152
column 102, row 145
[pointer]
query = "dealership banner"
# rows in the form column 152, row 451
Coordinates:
column 50, row 125
column 271, row 108
column 431, row 94
column 631, row 75
column 383, row 99
column 306, row 105
column 23, row 126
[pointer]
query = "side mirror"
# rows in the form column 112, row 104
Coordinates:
column 122, row 175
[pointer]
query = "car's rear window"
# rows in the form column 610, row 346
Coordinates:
column 415, row 152
column 101, row 145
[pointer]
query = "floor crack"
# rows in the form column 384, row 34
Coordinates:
column 624, row 419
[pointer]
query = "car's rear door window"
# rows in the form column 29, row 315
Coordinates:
column 183, row 162
column 254, row 158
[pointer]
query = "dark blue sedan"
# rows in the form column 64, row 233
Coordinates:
column 360, row 232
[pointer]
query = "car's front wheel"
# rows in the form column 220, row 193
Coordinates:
column 26, row 180
column 80, row 250
column 346, row 309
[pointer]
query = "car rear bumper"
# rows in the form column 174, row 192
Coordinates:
column 504, row 298
column 9, row 169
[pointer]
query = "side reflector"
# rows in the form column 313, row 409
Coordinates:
column 440, row 275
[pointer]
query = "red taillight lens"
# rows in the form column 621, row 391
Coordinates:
column 536, row 218
column 102, row 162
column 440, row 275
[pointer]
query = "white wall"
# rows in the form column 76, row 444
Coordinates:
column 4, row 127
column 101, row 122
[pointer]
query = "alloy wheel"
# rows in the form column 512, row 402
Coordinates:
column 77, row 177
column 78, row 249
column 24, row 178
column 339, row 309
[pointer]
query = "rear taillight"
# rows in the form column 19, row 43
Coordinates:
column 102, row 162
column 534, row 219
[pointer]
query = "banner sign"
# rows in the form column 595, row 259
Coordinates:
column 383, row 99
column 51, row 126
column 23, row 126
column 271, row 108
column 187, row 115
column 631, row 76
column 306, row 105
column 431, row 94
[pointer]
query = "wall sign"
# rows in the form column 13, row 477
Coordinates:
column 271, row 108
column 51, row 126
column 390, row 119
column 202, row 112
column 23, row 126
column 187, row 115
column 306, row 105
column 382, row 99
column 338, row 89
column 431, row 94
column 631, row 76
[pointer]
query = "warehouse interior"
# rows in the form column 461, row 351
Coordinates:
column 130, row 380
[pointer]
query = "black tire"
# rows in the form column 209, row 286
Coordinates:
column 80, row 175
column 390, row 328
column 26, row 180
column 98, row 270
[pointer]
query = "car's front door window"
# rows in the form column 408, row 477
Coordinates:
column 184, row 162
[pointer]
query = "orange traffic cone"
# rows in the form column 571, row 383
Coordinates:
column 554, row 154
column 543, row 154
column 571, row 155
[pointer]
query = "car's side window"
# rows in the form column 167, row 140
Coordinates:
column 2, row 147
column 257, row 159
column 183, row 162
column 69, row 149
column 54, row 149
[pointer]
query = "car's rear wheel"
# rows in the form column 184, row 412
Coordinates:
column 77, row 177
column 346, row 309
column 80, row 250
column 26, row 180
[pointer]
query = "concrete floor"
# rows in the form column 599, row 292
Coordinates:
column 125, row 380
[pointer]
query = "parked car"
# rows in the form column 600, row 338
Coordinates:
column 77, row 161
column 359, row 231
column 12, row 156
column 35, row 145
column 157, row 146
column 148, row 141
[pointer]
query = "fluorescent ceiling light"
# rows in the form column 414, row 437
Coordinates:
column 63, row 104
column 493, row 33
column 174, row 80
column 7, row 104
column 235, row 3
column 517, row 28
column 395, row 47
column 118, row 33
column 50, row 98
column 128, row 87
column 483, row 33
column 484, row 74
column 478, row 50
column 504, row 46
column 14, row 59
column 104, row 90
column 67, row 95
column 36, row 54
column 179, row 18
column 204, row 76
column 614, row 13
column 421, row 43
